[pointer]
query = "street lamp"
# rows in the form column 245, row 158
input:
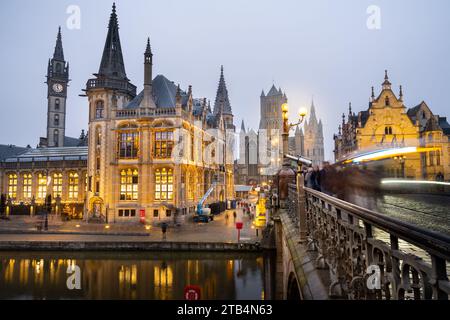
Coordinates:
column 288, row 126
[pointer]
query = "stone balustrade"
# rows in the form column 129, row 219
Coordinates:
column 370, row 255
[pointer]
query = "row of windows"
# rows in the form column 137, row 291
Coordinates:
column 129, row 184
column 129, row 144
column 130, row 213
column 42, row 183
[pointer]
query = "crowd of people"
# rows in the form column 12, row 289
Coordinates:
column 341, row 181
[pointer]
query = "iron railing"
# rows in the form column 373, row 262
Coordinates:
column 370, row 255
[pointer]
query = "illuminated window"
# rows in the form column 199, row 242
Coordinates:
column 99, row 109
column 27, row 185
column 129, row 185
column 128, row 144
column 98, row 136
column 163, row 144
column 42, row 186
column 73, row 185
column 12, row 185
column 163, row 184
column 190, row 186
column 57, row 185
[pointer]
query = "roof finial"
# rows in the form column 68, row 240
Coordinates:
column 401, row 93
column 350, row 108
column 373, row 93
column 386, row 75
column 343, row 119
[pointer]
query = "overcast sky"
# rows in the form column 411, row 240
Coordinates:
column 308, row 48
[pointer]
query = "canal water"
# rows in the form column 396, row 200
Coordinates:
column 133, row 275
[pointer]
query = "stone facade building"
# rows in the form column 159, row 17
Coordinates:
column 388, row 123
column 147, row 151
column 150, row 155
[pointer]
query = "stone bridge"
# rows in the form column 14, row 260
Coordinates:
column 331, row 249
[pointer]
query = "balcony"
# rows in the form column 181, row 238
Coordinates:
column 121, row 85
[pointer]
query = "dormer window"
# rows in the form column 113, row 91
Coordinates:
column 388, row 130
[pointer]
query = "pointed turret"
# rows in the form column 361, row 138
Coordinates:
column 112, row 65
column 59, row 52
column 222, row 103
column 263, row 94
column 111, row 74
column 313, row 117
column 386, row 84
column 243, row 127
column 148, row 101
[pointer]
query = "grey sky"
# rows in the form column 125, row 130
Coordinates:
column 309, row 48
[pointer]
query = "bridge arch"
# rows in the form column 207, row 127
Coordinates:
column 293, row 291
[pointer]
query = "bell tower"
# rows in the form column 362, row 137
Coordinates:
column 57, row 83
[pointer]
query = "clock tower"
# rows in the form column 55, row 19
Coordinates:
column 57, row 82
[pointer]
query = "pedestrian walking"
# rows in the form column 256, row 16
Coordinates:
column 164, row 230
column 234, row 216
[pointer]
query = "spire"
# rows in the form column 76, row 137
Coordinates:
column 350, row 109
column 313, row 117
column 401, row 93
column 222, row 103
column 148, row 101
column 59, row 53
column 243, row 126
column 112, row 64
column 148, row 50
column 386, row 84
column 263, row 94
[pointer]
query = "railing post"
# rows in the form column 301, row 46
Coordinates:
column 438, row 274
column 301, row 204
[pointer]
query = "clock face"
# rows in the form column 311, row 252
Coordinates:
column 58, row 88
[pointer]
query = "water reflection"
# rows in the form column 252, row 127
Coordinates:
column 158, row 276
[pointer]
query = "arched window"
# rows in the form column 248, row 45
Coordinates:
column 12, row 186
column 56, row 137
column 57, row 184
column 42, row 186
column 129, row 185
column 27, row 185
column 98, row 136
column 388, row 130
column 128, row 144
column 57, row 104
column 73, row 185
column 163, row 184
column 99, row 109
column 387, row 102
column 56, row 119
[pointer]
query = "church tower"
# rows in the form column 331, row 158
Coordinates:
column 57, row 83
column 313, row 146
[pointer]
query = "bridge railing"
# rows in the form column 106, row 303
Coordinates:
column 370, row 255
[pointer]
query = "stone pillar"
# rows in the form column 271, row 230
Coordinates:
column 301, row 204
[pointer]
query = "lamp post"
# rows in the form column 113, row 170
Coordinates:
column 288, row 126
column 299, row 177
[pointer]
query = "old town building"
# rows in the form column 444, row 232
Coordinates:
column 151, row 155
column 156, row 153
column 388, row 123
column 58, row 166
